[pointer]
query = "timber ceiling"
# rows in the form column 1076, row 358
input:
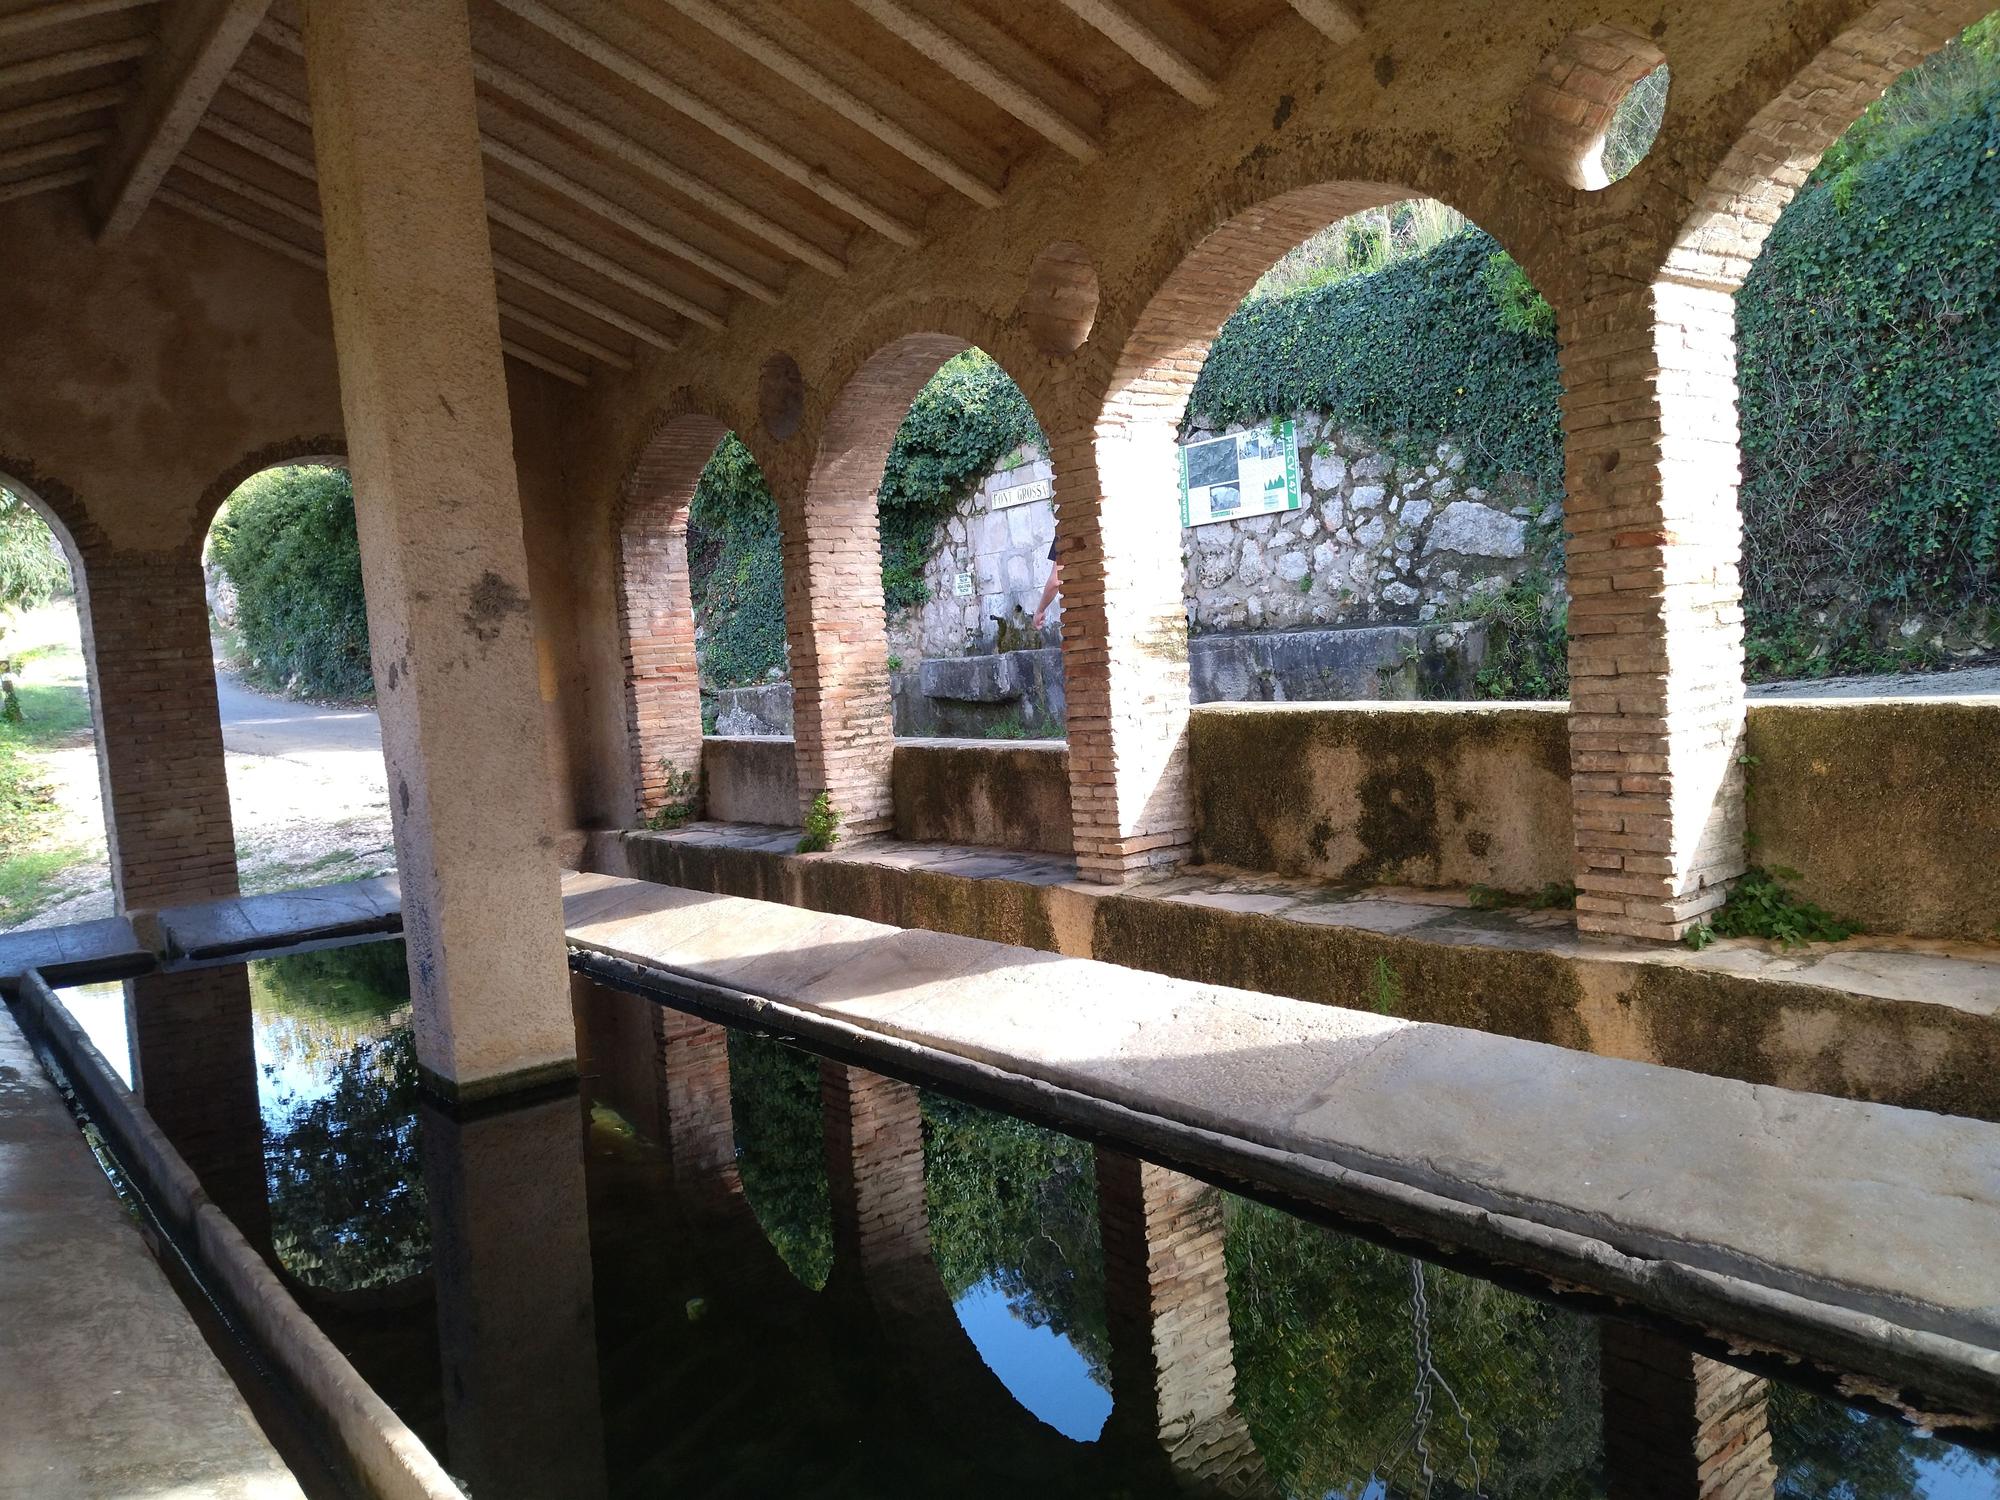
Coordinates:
column 649, row 163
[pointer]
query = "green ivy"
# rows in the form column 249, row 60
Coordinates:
column 1869, row 337
column 962, row 423
column 286, row 540
column 736, row 569
column 1407, row 355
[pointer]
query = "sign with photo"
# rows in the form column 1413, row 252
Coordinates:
column 1251, row 473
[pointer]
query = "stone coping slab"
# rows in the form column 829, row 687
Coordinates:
column 1887, row 1215
column 1962, row 976
column 223, row 929
column 106, row 1385
column 103, row 949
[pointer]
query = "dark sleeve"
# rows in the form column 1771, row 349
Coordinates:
column 1052, row 551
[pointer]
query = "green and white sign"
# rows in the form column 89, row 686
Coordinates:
column 1251, row 473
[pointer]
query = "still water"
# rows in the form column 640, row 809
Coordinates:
column 731, row 1269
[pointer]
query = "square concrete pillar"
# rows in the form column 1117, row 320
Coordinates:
column 159, row 732
column 416, row 327
column 1679, row 1426
column 1656, row 616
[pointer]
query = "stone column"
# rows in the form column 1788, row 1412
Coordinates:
column 1124, row 641
column 416, row 327
column 1656, row 619
column 159, row 732
column 517, row 1332
column 1678, row 1426
column 194, row 1068
column 1173, row 1362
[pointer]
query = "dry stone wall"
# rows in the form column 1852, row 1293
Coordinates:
column 1379, row 539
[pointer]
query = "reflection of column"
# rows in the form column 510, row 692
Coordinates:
column 874, row 1169
column 511, row 1237
column 194, row 1068
column 1173, row 1364
column 1678, row 1426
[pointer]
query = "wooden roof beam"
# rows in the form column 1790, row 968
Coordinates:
column 65, row 108
column 577, row 253
column 308, row 218
column 291, row 250
column 75, row 60
column 80, row 144
column 48, row 182
column 1334, row 17
column 612, row 59
column 1167, row 60
column 299, row 166
column 969, row 67
column 199, row 43
column 616, row 213
column 27, row 22
column 842, row 101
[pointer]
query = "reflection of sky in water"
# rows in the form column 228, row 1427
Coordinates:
column 100, row 1010
column 1042, row 1369
column 1956, row 1478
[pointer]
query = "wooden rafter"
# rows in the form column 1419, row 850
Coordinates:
column 1158, row 55
column 80, row 144
column 578, row 253
column 612, row 59
column 48, row 182
column 199, row 43
column 1334, row 17
column 75, row 60
column 958, row 58
column 843, row 101
column 68, row 107
column 41, row 17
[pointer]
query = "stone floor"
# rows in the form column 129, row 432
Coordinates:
column 1962, row 976
column 106, row 1386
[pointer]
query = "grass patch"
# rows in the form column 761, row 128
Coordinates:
column 31, row 882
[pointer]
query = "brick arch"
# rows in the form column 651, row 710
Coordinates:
column 55, row 513
column 328, row 451
column 656, row 624
column 1731, row 212
column 1124, row 623
column 834, row 610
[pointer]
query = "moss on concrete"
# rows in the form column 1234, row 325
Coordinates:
column 1438, row 795
column 985, row 793
column 1680, row 1014
column 1889, row 810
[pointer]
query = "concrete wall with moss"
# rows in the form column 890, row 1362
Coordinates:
column 1012, row 796
column 1388, row 794
column 750, row 779
column 1887, row 809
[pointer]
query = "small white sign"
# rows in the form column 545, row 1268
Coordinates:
column 961, row 585
column 1022, row 494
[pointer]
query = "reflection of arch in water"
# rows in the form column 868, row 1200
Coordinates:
column 671, row 1076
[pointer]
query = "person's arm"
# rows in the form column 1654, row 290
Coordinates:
column 1049, row 593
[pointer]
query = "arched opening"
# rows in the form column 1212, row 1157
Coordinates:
column 774, row 1094
column 295, row 686
column 702, row 613
column 1352, row 395
column 53, row 861
column 898, row 531
column 1595, row 106
column 1858, row 359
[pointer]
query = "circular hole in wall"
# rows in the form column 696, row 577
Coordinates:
column 1595, row 107
column 1060, row 303
column 781, row 396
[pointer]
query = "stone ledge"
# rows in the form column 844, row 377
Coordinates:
column 1692, row 1195
column 1909, row 1022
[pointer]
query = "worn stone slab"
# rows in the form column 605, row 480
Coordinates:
column 107, row 944
column 1880, row 1211
column 219, row 929
column 106, row 1386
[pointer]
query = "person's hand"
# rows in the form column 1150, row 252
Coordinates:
column 1040, row 612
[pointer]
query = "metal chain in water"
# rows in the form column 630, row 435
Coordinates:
column 1427, row 1374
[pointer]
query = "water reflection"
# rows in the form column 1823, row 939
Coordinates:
column 730, row 1268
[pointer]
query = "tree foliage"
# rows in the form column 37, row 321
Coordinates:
column 286, row 541
column 781, row 1151
column 32, row 567
column 736, row 569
